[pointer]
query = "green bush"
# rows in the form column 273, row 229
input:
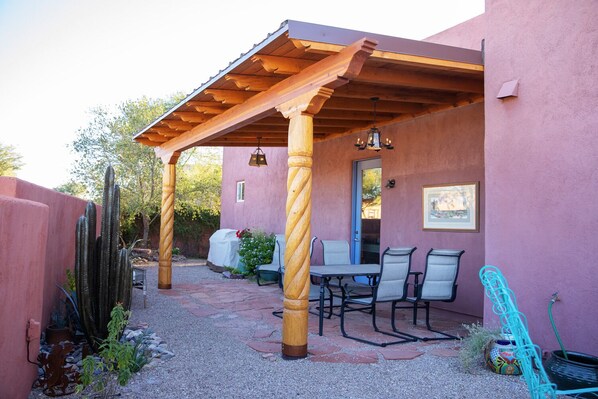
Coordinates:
column 255, row 248
column 117, row 360
column 474, row 345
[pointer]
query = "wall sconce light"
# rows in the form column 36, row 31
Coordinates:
column 390, row 183
column 374, row 140
column 258, row 158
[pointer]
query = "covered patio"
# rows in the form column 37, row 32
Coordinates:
column 308, row 84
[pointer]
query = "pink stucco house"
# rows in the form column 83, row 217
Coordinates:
column 505, row 102
column 535, row 156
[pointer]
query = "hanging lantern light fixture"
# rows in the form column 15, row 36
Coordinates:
column 374, row 140
column 258, row 158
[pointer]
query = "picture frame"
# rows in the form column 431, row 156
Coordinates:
column 451, row 207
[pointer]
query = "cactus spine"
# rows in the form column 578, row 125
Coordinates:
column 102, row 272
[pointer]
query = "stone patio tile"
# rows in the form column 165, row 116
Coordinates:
column 400, row 353
column 265, row 346
column 322, row 348
column 202, row 311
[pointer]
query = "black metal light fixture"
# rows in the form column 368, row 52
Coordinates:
column 258, row 158
column 374, row 141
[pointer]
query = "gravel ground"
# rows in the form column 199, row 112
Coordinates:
column 211, row 364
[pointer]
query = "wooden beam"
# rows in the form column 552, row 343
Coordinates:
column 390, row 77
column 394, row 94
column 358, row 104
column 332, row 72
column 191, row 117
column 252, row 82
column 155, row 137
column 474, row 99
column 148, row 142
column 383, row 76
column 178, row 125
column 163, row 131
column 279, row 129
column 233, row 97
column 378, row 55
column 208, row 107
column 353, row 115
column 282, row 65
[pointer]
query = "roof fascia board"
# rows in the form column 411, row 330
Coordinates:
column 339, row 36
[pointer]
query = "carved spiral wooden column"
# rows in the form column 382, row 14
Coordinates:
column 298, row 225
column 167, row 223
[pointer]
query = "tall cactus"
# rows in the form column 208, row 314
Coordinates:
column 103, row 273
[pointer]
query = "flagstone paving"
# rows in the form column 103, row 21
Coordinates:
column 243, row 310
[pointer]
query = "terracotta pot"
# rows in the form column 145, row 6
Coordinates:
column 577, row 372
column 55, row 335
column 500, row 358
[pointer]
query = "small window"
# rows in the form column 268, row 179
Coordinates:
column 241, row 191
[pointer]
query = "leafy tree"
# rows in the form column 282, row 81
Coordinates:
column 10, row 160
column 199, row 179
column 107, row 140
column 72, row 188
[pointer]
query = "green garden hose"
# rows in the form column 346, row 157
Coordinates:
column 555, row 297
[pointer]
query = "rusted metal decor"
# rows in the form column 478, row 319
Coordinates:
column 59, row 378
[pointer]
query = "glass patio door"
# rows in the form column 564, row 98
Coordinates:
column 367, row 211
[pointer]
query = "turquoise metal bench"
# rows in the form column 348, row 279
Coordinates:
column 515, row 323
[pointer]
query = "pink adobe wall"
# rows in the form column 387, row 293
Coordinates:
column 64, row 210
column 542, row 163
column 23, row 236
column 468, row 34
column 445, row 147
column 265, row 190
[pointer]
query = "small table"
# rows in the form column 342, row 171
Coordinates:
column 140, row 282
column 325, row 273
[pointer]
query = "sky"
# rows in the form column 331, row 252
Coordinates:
column 60, row 58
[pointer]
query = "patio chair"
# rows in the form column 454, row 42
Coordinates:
column 514, row 323
column 391, row 286
column 439, row 284
column 274, row 266
column 314, row 291
column 337, row 252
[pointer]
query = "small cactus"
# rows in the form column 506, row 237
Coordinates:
column 103, row 273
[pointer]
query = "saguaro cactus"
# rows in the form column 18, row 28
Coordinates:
column 102, row 272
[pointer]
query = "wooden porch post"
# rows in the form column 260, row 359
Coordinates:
column 300, row 111
column 167, row 221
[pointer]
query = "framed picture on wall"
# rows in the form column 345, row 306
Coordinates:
column 451, row 207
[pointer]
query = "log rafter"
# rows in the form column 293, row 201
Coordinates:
column 332, row 72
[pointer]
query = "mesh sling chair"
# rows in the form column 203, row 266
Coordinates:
column 391, row 286
column 439, row 284
column 337, row 252
column 275, row 265
column 314, row 292
column 514, row 323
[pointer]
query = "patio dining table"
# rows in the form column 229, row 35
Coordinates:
column 326, row 273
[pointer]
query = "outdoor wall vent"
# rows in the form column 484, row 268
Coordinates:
column 509, row 89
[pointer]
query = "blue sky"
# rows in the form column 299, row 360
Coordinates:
column 59, row 58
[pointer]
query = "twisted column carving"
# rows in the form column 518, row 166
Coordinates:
column 298, row 226
column 166, row 226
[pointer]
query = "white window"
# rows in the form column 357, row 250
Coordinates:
column 241, row 191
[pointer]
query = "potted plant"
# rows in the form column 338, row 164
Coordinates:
column 568, row 369
column 58, row 329
column 489, row 346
